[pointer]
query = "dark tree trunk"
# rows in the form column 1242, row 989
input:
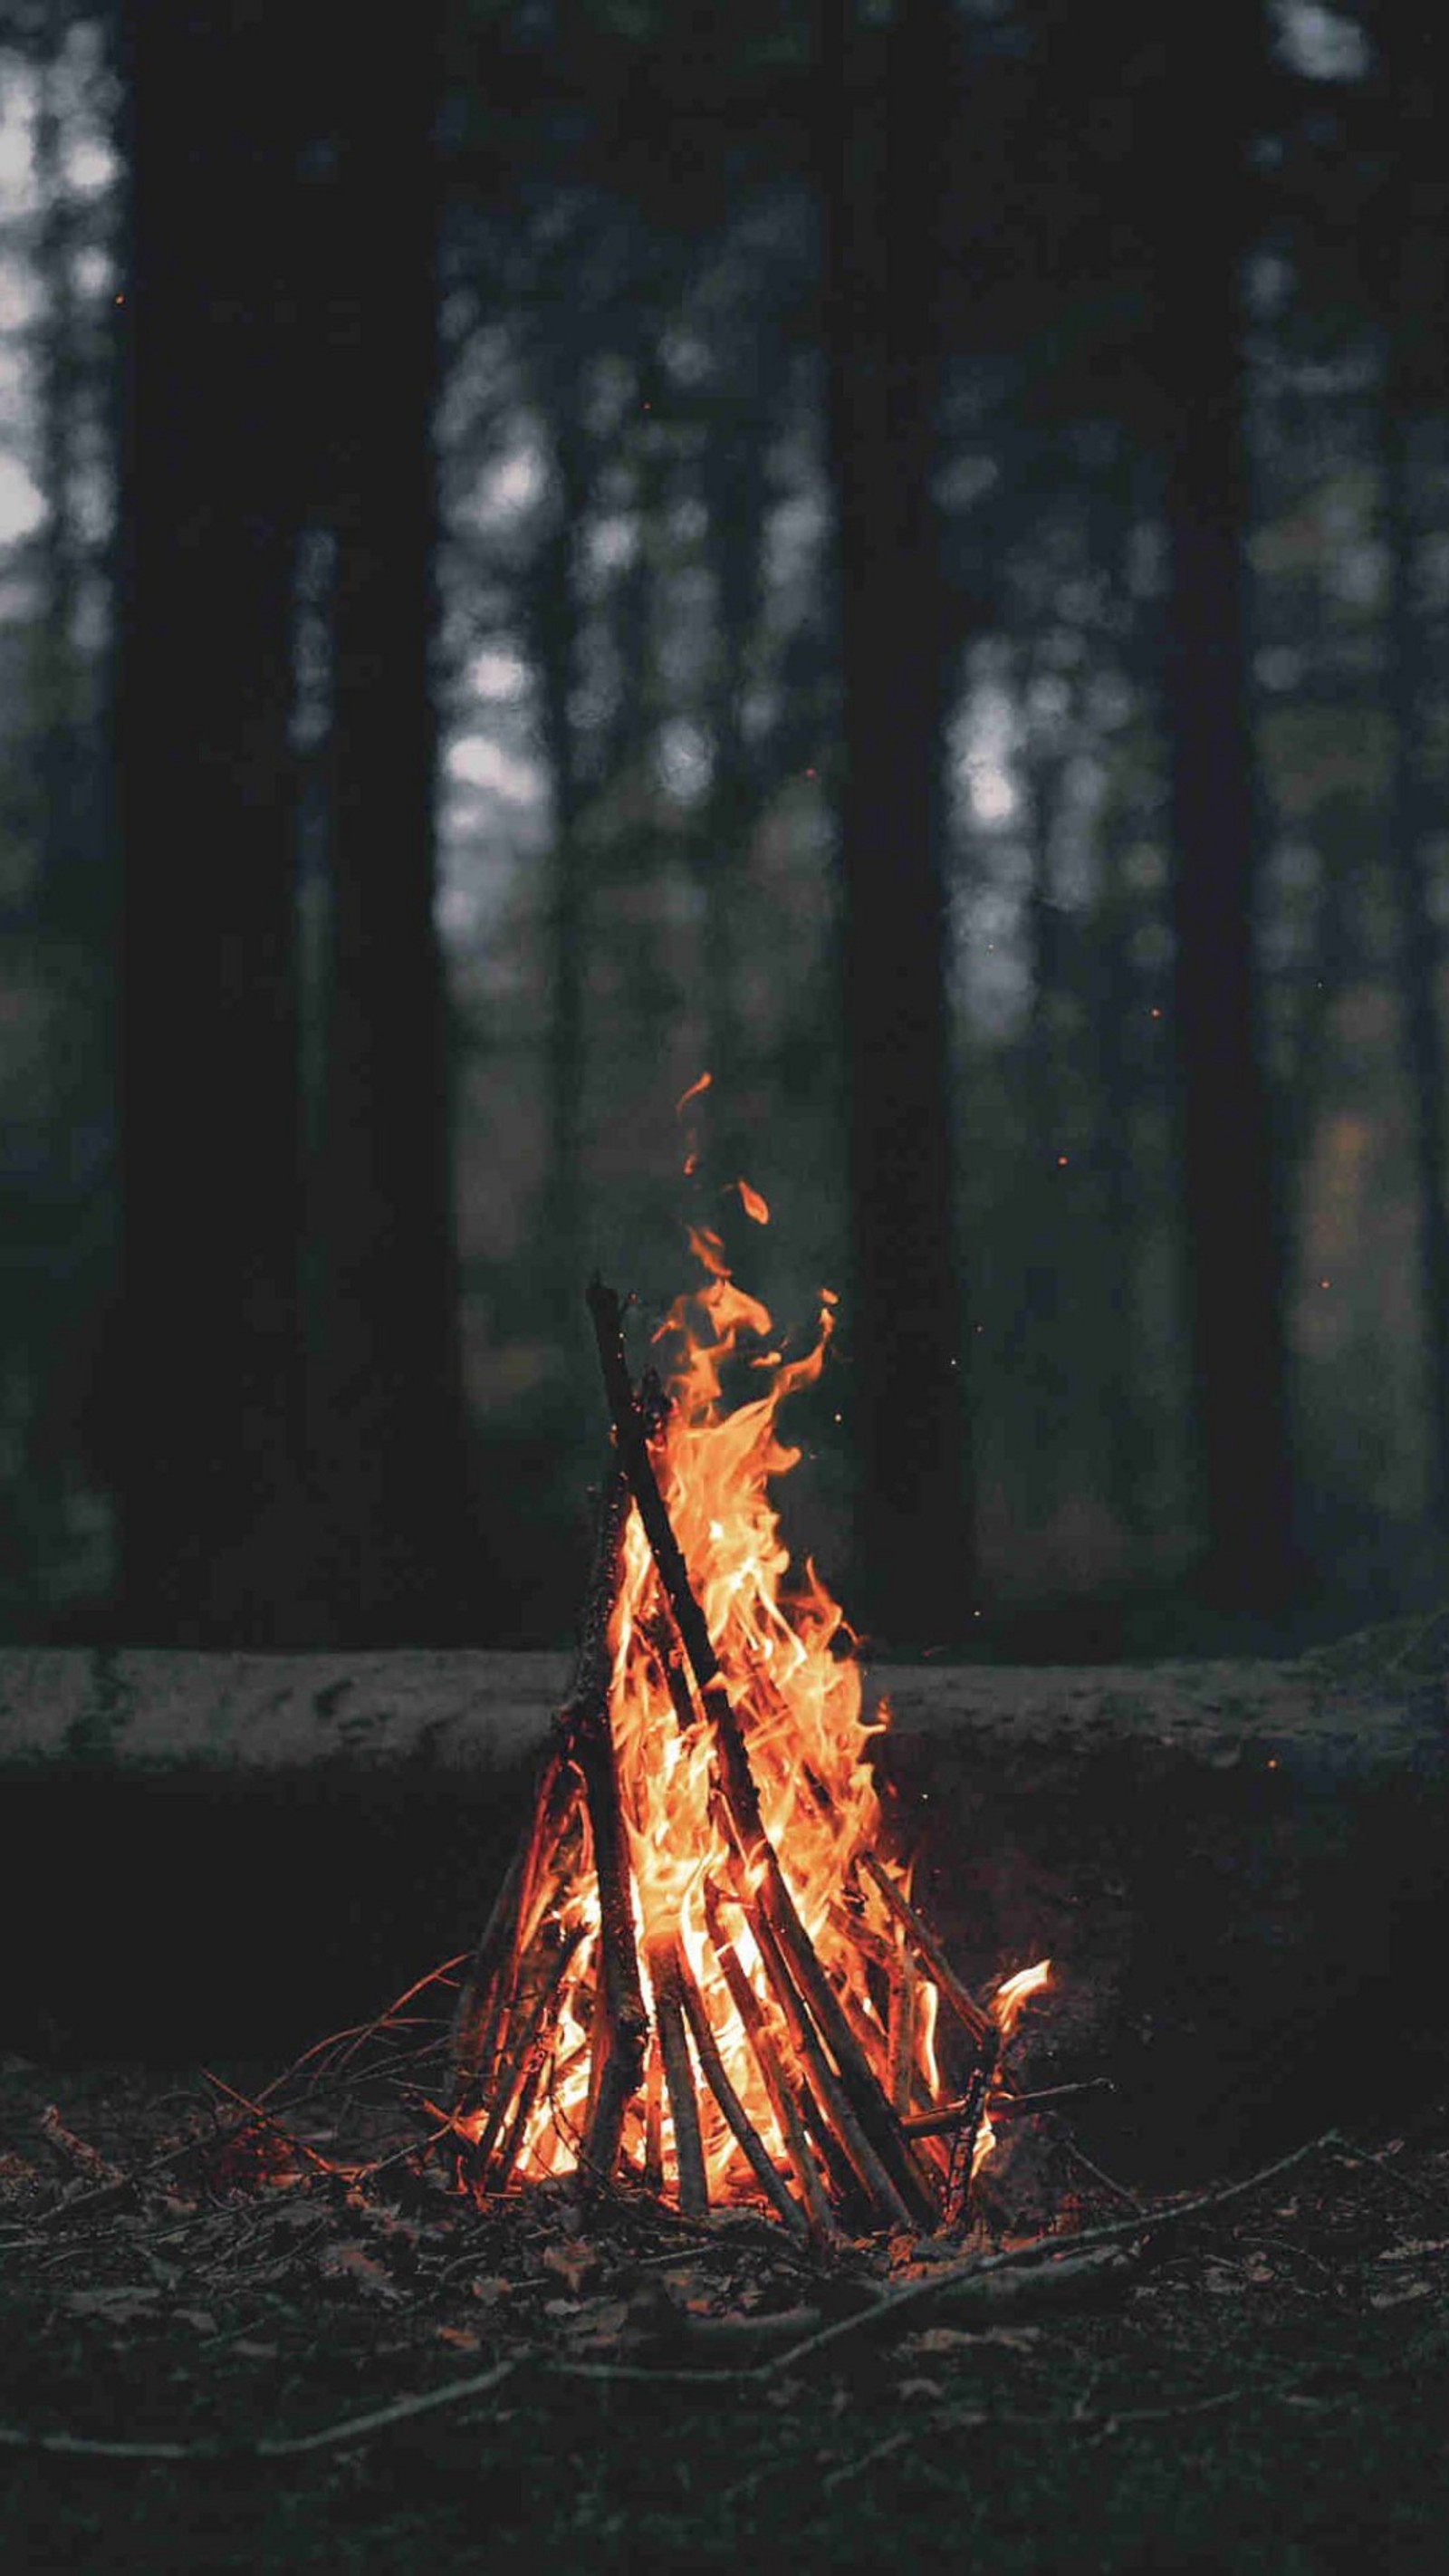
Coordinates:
column 1120, row 1005
column 1232, row 1237
column 388, row 1435
column 1409, row 263
column 883, row 187
column 1036, row 1343
column 1420, row 949
column 207, row 1381
column 58, row 691
column 554, row 609
column 734, row 503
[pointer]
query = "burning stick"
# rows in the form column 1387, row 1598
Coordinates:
column 963, row 2144
column 629, row 1432
column 492, row 1977
column 678, row 2075
column 474, row 2028
column 901, row 2033
column 772, row 2075
column 621, row 2024
column 526, row 2054
column 735, row 2114
column 654, row 2117
column 662, row 1638
column 963, row 2004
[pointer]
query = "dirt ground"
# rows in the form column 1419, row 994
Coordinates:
column 213, row 2326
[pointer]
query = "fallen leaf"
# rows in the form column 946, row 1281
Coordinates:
column 599, row 2327
column 201, row 2319
column 251, row 2351
column 686, row 2285
column 926, row 2388
column 354, row 2264
column 1414, row 2245
column 460, row 2337
column 573, row 2261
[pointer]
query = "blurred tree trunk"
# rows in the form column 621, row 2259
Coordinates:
column 58, row 675
column 1036, row 1343
column 206, row 1376
column 734, row 500
column 553, row 609
column 1409, row 254
column 1233, row 1244
column 883, row 184
column 1121, row 1008
column 1420, row 948
column 388, row 1428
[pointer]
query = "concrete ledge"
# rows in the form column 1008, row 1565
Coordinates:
column 1239, row 1869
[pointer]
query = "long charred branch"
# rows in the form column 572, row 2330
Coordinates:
column 526, row 2051
column 901, row 2033
column 964, row 2005
column 772, row 2074
column 654, row 2117
column 631, row 1436
column 622, row 2024
column 508, row 2153
column 662, row 1638
column 737, row 2118
column 678, row 2075
column 481, row 1976
column 963, row 2144
column 489, row 1989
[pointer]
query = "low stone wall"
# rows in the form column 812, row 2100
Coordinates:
column 1238, row 1869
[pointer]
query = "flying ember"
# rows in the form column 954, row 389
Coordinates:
column 703, row 1974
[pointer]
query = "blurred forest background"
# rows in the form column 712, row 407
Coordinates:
column 897, row 550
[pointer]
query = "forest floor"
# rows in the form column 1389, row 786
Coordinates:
column 210, row 2329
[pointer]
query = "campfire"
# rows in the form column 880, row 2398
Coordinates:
column 703, row 1975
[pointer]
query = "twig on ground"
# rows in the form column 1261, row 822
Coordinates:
column 1061, row 2136
column 1388, row 2173
column 290, row 2446
column 383, row 2020
column 1052, row 2251
column 269, row 2120
column 1101, row 2422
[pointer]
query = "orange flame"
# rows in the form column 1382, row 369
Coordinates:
column 752, row 1203
column 1013, row 1995
column 784, row 1650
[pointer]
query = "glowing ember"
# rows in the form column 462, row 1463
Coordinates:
column 712, row 1901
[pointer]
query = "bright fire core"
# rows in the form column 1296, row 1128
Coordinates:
column 787, row 1660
